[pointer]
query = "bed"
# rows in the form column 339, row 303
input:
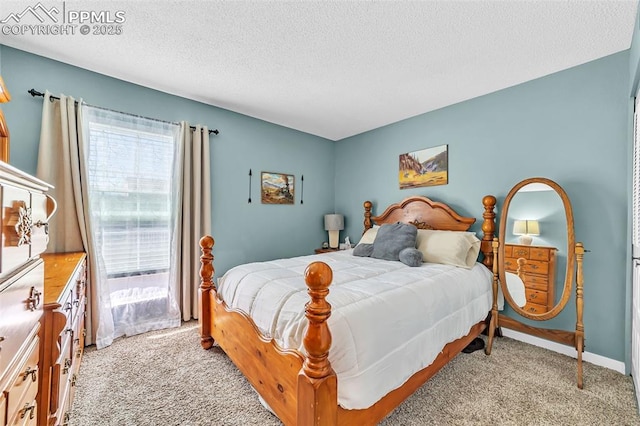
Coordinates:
column 296, row 378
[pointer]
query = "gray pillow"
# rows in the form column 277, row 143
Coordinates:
column 392, row 238
column 363, row 250
column 411, row 256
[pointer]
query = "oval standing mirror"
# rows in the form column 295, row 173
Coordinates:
column 536, row 249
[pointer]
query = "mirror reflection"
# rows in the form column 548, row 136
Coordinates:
column 535, row 247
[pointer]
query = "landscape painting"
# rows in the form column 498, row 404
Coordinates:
column 277, row 188
column 427, row 167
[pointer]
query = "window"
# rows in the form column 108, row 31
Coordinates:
column 131, row 195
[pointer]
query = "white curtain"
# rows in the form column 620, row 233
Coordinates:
column 196, row 213
column 105, row 165
column 132, row 170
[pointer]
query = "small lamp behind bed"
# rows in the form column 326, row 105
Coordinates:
column 334, row 223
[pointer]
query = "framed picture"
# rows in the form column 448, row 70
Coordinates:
column 427, row 167
column 276, row 188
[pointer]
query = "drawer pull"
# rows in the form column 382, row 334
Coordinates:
column 67, row 306
column 27, row 409
column 79, row 353
column 74, row 378
column 40, row 224
column 76, row 302
column 533, row 296
column 68, row 330
column 30, row 372
column 67, row 365
column 34, row 299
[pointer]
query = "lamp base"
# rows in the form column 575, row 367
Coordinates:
column 525, row 240
column 334, row 239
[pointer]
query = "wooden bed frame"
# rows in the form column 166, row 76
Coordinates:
column 303, row 390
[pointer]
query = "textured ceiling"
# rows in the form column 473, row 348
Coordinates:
column 334, row 69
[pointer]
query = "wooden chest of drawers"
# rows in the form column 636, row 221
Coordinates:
column 24, row 215
column 62, row 334
column 539, row 274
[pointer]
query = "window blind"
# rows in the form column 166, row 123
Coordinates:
column 130, row 183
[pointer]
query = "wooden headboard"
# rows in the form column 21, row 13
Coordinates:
column 427, row 214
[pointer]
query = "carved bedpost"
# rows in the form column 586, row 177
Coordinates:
column 579, row 308
column 493, row 323
column 488, row 229
column 317, row 382
column 206, row 285
column 367, row 216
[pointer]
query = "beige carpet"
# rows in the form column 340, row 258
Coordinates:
column 165, row 378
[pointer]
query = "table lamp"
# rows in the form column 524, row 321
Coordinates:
column 334, row 223
column 525, row 229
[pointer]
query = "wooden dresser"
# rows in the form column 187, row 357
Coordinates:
column 539, row 274
column 62, row 334
column 24, row 215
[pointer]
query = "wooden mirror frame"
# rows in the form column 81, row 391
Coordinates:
column 575, row 254
column 568, row 278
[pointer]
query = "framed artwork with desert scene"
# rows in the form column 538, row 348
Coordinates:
column 427, row 167
column 277, row 188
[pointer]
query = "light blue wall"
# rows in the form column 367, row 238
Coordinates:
column 243, row 232
column 571, row 127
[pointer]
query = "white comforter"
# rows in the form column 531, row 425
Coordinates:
column 388, row 320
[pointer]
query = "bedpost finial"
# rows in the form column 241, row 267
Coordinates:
column 489, row 201
column 207, row 242
column 318, row 276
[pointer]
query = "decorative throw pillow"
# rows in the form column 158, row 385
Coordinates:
column 369, row 235
column 364, row 250
column 411, row 256
column 448, row 247
column 392, row 238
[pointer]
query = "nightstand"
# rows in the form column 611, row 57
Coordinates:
column 326, row 250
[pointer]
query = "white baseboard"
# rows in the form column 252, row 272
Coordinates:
column 565, row 350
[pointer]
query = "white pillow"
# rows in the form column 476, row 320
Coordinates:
column 369, row 236
column 456, row 248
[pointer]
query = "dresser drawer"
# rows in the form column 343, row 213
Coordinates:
column 27, row 416
column 539, row 254
column 511, row 264
column 21, row 307
column 22, row 392
column 535, row 296
column 61, row 374
column 539, row 282
column 520, row 252
column 536, row 267
column 535, row 308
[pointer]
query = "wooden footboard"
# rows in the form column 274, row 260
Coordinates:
column 303, row 390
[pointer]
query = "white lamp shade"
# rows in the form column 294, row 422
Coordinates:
column 526, row 227
column 333, row 222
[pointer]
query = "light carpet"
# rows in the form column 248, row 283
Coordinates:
column 166, row 378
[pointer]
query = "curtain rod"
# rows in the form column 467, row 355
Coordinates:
column 34, row 93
